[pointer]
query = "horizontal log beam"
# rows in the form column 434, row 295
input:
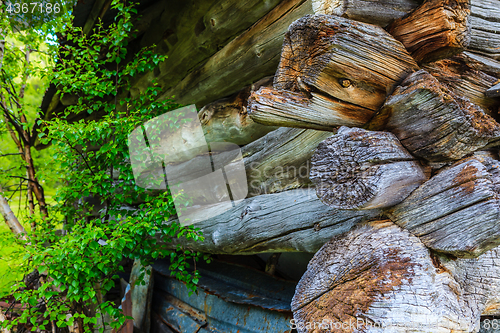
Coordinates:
column 485, row 28
column 291, row 221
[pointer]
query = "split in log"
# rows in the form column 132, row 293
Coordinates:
column 291, row 221
column 482, row 63
column 485, row 27
column 375, row 12
column 353, row 62
column 247, row 58
column 436, row 29
column 359, row 169
column 457, row 211
column 227, row 120
column 380, row 278
column 493, row 91
column 432, row 122
column 280, row 160
column 461, row 75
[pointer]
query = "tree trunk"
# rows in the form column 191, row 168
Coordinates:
column 433, row 123
column 462, row 77
column 485, row 23
column 463, row 197
column 359, row 169
column 437, row 29
column 375, row 12
column 227, row 120
column 291, row 221
column 378, row 277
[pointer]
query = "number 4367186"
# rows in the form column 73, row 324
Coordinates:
column 33, row 7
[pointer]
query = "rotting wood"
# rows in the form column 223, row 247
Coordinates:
column 378, row 277
column 359, row 169
column 375, row 12
column 485, row 27
column 247, row 58
column 461, row 75
column 353, row 62
column 290, row 221
column 482, row 63
column 432, row 122
column 227, row 120
column 458, row 210
column 436, row 29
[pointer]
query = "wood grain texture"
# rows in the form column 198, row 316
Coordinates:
column 359, row 169
column 457, row 211
column 485, row 64
column 247, row 58
column 227, row 120
column 369, row 11
column 379, row 278
column 280, row 160
column 353, row 62
column 461, row 75
column 485, row 27
column 436, row 29
column 273, row 107
column 432, row 122
column 493, row 91
column 291, row 221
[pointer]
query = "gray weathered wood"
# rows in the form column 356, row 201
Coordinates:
column 227, row 120
column 457, row 211
column 464, row 77
column 273, row 107
column 353, row 62
column 375, row 12
column 482, row 63
column 432, row 122
column 436, row 29
column 493, row 91
column 380, row 278
column 290, row 221
column 280, row 160
column 359, row 169
column 245, row 59
column 485, row 24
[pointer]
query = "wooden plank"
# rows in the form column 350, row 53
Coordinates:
column 493, row 91
column 485, row 28
column 433, row 123
column 375, row 12
column 380, row 278
column 290, row 221
column 359, row 169
column 485, row 64
column 436, row 29
column 462, row 75
column 461, row 197
column 249, row 57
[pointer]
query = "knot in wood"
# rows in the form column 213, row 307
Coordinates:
column 345, row 83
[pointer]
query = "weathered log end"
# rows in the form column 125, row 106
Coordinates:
column 435, row 30
column 338, row 57
column 359, row 169
column 432, row 122
column 379, row 278
column 458, row 210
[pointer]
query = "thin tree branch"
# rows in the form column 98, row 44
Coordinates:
column 10, row 218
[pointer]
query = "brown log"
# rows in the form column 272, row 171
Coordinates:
column 359, row 169
column 485, row 24
column 433, row 123
column 458, row 210
column 436, row 29
column 380, row 278
column 375, row 12
column 227, row 120
column 461, row 75
column 338, row 58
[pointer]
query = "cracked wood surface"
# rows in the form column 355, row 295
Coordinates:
column 290, row 221
column 485, row 28
column 433, row 123
column 359, row 169
column 383, row 279
column 436, row 29
column 458, row 210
